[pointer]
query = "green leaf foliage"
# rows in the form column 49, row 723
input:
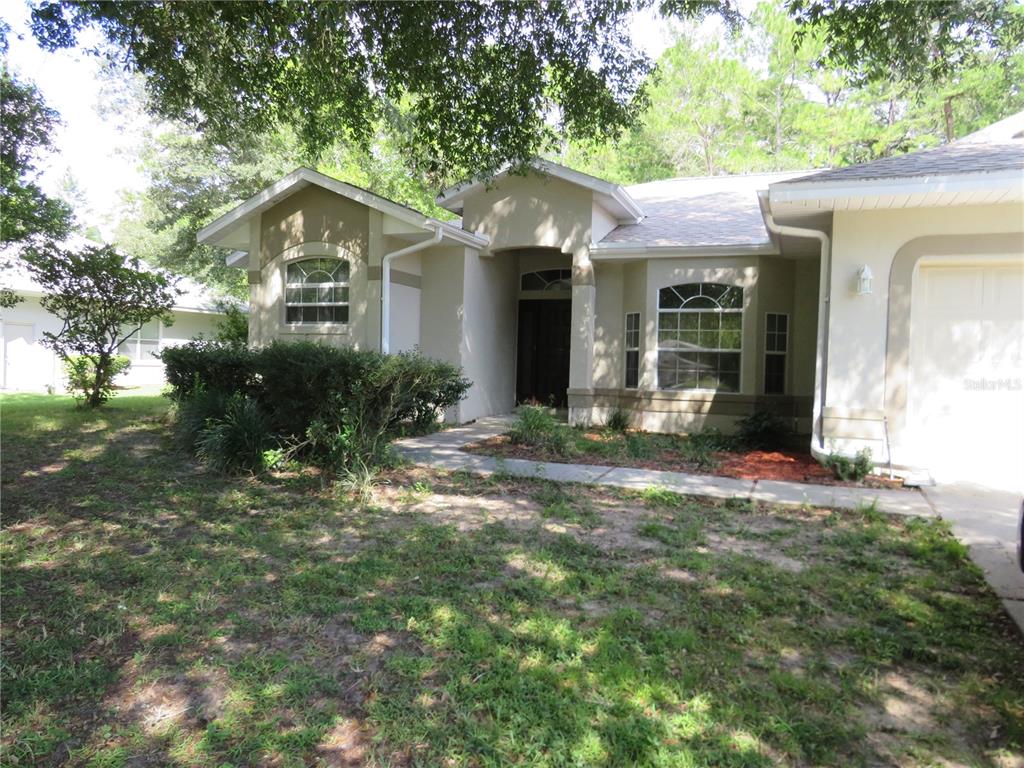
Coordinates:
column 101, row 300
column 338, row 407
column 480, row 79
column 773, row 98
column 479, row 82
column 26, row 126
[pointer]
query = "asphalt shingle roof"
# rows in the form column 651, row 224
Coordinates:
column 958, row 157
column 716, row 210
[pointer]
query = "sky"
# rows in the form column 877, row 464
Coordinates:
column 100, row 151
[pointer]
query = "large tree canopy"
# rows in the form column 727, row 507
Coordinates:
column 480, row 79
column 26, row 125
column 477, row 82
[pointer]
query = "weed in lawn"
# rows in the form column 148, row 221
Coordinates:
column 655, row 496
column 556, row 503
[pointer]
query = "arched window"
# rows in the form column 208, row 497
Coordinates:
column 547, row 280
column 316, row 291
column 700, row 335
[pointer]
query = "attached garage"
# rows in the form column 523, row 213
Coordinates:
column 965, row 409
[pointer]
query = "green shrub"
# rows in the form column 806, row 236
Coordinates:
column 618, row 421
column 233, row 327
column 537, row 426
column 762, row 430
column 192, row 414
column 847, row 469
column 639, row 447
column 711, row 439
column 533, row 425
column 209, row 366
column 337, row 407
column 560, row 442
column 81, row 373
column 238, row 439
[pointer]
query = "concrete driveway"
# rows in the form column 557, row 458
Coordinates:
column 986, row 521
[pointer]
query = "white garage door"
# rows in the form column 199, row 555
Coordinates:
column 27, row 364
column 966, row 404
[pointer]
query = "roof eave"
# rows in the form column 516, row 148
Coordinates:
column 906, row 191
column 640, row 250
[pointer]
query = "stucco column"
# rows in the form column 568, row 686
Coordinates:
column 375, row 255
column 581, row 349
column 254, row 275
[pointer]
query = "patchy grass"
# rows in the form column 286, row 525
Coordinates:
column 157, row 614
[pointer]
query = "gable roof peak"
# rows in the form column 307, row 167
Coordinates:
column 614, row 197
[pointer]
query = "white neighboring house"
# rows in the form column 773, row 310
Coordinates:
column 28, row 366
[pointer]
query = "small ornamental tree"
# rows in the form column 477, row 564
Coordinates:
column 102, row 300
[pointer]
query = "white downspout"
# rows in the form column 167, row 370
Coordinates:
column 385, row 281
column 824, row 303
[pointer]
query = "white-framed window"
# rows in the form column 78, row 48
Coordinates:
column 632, row 348
column 316, row 291
column 142, row 344
column 546, row 280
column 700, row 336
column 776, row 345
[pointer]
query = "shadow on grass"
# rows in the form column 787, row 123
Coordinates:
column 155, row 614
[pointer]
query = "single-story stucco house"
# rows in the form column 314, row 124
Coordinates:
column 876, row 306
column 28, row 366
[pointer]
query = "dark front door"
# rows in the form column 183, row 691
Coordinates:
column 542, row 372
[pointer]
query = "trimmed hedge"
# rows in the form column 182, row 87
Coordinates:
column 337, row 405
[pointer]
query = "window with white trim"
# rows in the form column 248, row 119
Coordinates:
column 776, row 345
column 316, row 291
column 142, row 344
column 546, row 280
column 700, row 336
column 632, row 348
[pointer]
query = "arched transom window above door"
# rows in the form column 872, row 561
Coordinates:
column 547, row 280
column 700, row 336
column 316, row 291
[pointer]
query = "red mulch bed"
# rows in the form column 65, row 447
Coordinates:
column 791, row 466
column 772, row 465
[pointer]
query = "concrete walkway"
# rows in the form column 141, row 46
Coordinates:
column 983, row 519
column 986, row 521
column 442, row 450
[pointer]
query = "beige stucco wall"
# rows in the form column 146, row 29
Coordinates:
column 315, row 214
column 488, row 345
column 770, row 285
column 608, row 326
column 313, row 222
column 858, row 327
column 531, row 211
column 540, row 211
column 804, row 326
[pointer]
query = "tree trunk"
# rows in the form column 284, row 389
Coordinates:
column 947, row 114
column 96, row 398
column 778, row 121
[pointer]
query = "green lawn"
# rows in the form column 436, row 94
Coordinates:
column 157, row 614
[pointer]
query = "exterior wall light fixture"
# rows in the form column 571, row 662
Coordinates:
column 864, row 277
